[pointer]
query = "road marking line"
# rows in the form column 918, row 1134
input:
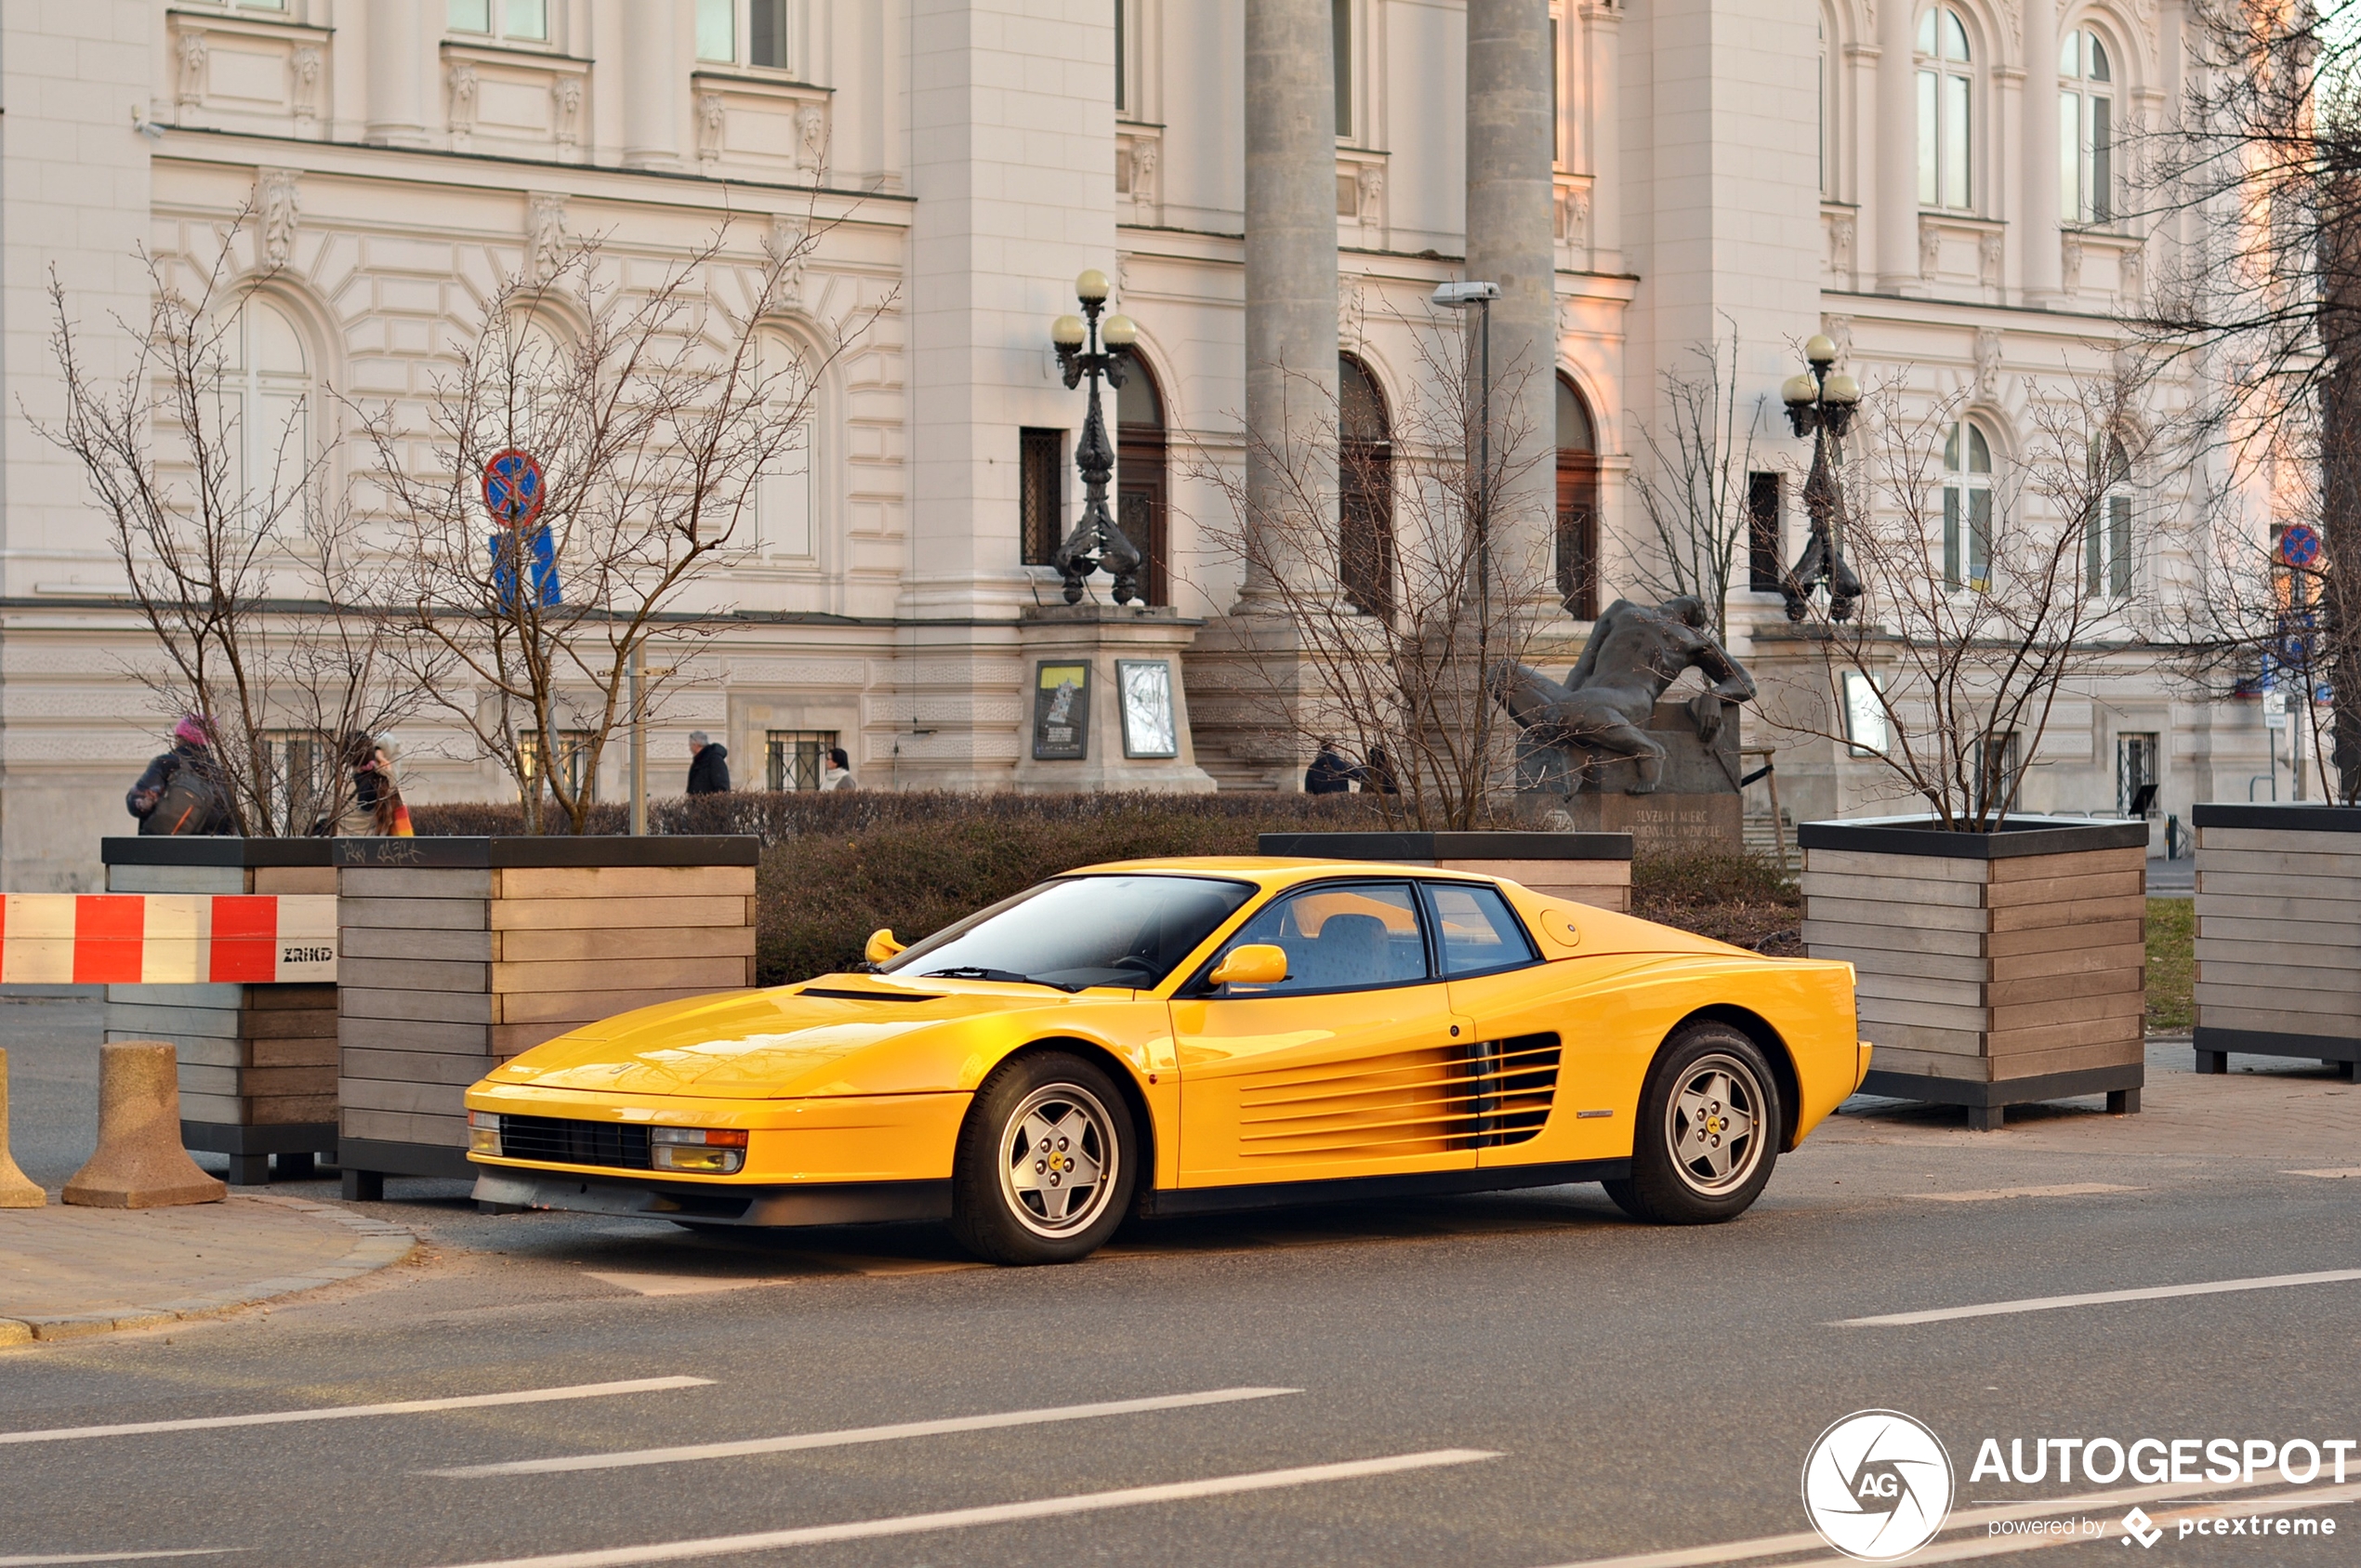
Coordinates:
column 855, row 1434
column 2065, row 1189
column 2335, row 1173
column 339, row 1412
column 2051, row 1303
column 1806, row 1540
column 678, row 1285
column 115, row 1556
column 996, row 1513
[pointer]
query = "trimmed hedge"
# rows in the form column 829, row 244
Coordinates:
column 836, row 866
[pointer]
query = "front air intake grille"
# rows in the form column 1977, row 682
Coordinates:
column 1485, row 1095
column 561, row 1141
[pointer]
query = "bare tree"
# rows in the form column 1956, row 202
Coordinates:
column 241, row 564
column 1695, row 498
column 1403, row 592
column 2258, row 174
column 1975, row 620
column 652, row 409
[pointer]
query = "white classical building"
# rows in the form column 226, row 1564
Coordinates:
column 1934, row 185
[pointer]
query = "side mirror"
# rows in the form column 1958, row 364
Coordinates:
column 1256, row 963
column 881, row 946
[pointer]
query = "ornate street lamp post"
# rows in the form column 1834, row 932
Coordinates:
column 1087, row 347
column 1821, row 405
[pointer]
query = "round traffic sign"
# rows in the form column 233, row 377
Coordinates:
column 512, row 490
column 2300, row 545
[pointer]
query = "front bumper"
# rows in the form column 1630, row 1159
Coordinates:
column 715, row 1203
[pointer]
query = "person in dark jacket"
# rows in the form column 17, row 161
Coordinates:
column 1330, row 772
column 181, row 792
column 708, row 765
column 1376, row 775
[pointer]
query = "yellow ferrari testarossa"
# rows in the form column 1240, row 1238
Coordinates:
column 1183, row 1035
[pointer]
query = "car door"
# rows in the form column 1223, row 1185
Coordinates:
column 1530, row 1039
column 1346, row 1067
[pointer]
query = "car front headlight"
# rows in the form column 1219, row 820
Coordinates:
column 483, row 1133
column 705, row 1151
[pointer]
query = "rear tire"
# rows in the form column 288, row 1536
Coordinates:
column 1708, row 1133
column 1047, row 1162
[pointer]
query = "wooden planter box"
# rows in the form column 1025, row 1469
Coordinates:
column 457, row 954
column 1592, row 868
column 2278, row 935
column 257, row 1063
column 1993, row 968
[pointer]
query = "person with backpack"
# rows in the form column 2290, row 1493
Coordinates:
column 181, row 793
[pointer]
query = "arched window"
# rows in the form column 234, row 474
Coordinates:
column 2085, row 129
column 266, row 412
column 1578, row 505
column 2107, row 531
column 786, row 497
column 1947, row 93
column 1364, row 484
column 1139, row 480
column 1967, row 507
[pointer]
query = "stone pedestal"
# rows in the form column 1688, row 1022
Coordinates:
column 1124, row 725
column 458, row 953
column 2278, row 935
column 1694, row 806
column 1992, row 969
column 257, row 1063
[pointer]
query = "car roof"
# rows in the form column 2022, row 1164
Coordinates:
column 1272, row 870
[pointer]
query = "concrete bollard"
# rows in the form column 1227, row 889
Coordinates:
column 17, row 1189
column 140, row 1163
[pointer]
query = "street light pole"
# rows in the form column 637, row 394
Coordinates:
column 1821, row 405
column 1097, row 543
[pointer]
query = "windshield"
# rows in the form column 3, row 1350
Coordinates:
column 1080, row 930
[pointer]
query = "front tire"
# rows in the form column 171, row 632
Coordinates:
column 1709, row 1132
column 1046, row 1163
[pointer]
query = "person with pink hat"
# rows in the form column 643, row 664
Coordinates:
column 181, row 792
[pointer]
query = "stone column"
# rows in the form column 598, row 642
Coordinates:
column 1897, row 188
column 1291, row 269
column 2038, row 268
column 1602, row 61
column 652, row 87
column 398, row 75
column 1509, row 244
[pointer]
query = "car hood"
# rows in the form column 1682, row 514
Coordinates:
column 837, row 1034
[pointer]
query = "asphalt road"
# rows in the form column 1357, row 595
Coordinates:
column 1548, row 1382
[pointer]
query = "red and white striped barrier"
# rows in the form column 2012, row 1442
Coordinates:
column 166, row 939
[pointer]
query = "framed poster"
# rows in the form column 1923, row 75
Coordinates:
column 1061, row 712
column 1148, row 729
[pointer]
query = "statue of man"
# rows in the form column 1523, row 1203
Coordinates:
column 1603, row 708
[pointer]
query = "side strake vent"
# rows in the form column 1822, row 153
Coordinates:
column 851, row 996
column 1485, row 1095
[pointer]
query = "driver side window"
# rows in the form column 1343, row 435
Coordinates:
column 1355, row 937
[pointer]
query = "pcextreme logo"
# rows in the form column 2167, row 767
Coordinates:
column 1876, row 1486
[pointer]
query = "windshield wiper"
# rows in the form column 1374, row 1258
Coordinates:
column 1004, row 977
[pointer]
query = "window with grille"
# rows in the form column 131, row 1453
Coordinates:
column 1999, row 769
column 1041, row 494
column 302, row 783
column 571, row 757
column 2135, row 775
column 1766, row 525
column 796, row 756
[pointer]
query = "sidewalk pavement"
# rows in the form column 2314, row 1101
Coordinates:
column 71, row 1271
column 67, row 1271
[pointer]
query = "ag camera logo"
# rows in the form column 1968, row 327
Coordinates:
column 1878, row 1485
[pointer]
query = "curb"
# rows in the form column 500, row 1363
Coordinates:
column 377, row 1245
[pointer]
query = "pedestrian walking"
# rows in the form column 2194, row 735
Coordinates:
column 373, row 807
column 838, row 774
column 1330, row 772
column 181, row 793
column 708, row 765
column 1378, row 774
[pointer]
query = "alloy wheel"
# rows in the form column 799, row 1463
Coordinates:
column 1713, row 1124
column 1058, row 1160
